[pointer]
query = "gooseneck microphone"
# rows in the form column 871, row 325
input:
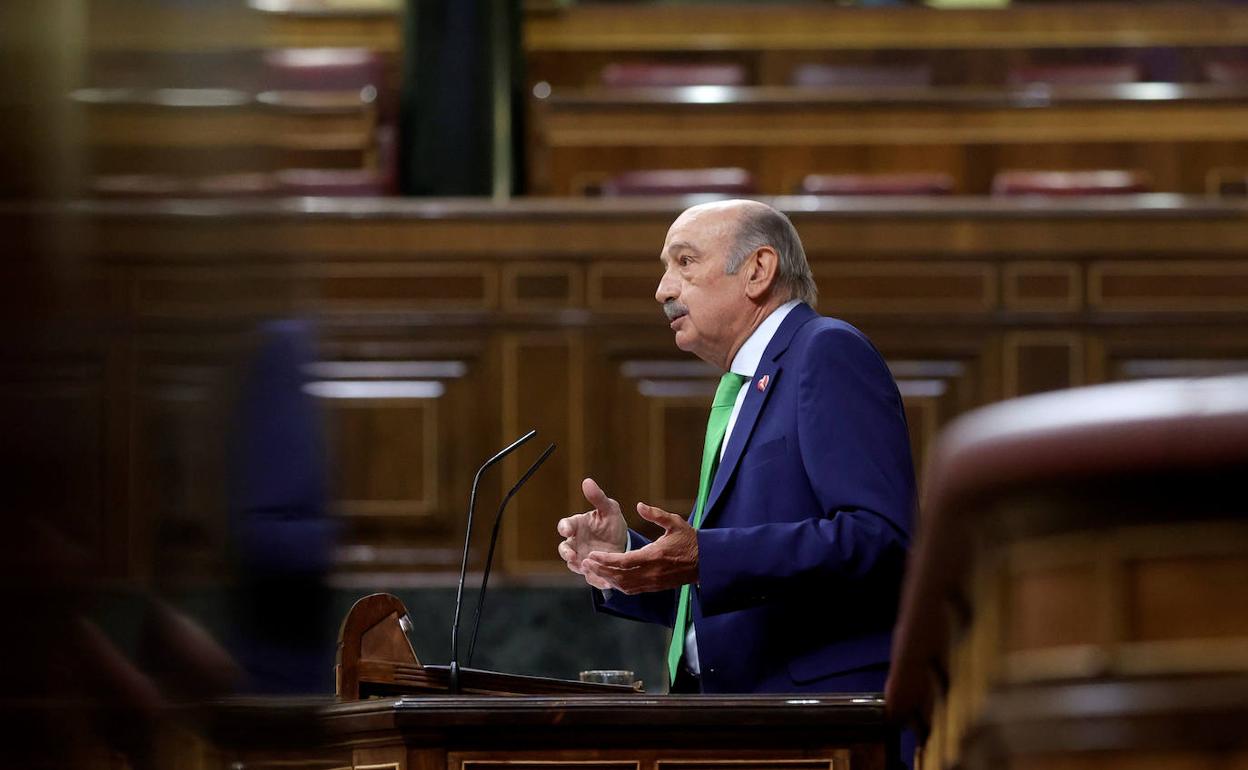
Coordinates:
column 489, row 556
column 453, row 684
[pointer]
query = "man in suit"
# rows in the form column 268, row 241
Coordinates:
column 786, row 576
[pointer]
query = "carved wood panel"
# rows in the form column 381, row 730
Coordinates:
column 543, row 388
column 407, row 421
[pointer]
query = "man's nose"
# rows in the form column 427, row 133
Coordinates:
column 668, row 289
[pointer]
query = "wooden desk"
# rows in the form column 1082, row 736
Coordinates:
column 565, row 733
column 1176, row 133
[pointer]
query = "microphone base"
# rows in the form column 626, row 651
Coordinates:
column 452, row 682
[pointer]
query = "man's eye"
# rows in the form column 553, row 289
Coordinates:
column 683, row 261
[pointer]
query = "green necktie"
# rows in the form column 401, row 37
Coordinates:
column 716, row 425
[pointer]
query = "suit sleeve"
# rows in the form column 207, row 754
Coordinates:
column 657, row 607
column 855, row 452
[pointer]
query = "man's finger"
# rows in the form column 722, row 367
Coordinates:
column 659, row 516
column 565, row 527
column 591, row 571
column 594, row 494
column 617, row 561
column 567, row 552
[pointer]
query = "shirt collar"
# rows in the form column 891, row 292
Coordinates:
column 751, row 353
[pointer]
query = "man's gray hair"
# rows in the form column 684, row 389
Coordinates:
column 764, row 226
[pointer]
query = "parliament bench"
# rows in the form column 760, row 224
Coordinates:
column 211, row 130
column 1174, row 133
column 569, row 46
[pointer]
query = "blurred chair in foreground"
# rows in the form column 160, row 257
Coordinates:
column 1078, row 595
column 917, row 183
column 1069, row 183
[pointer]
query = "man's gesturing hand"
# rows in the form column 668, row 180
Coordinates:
column 601, row 530
column 669, row 562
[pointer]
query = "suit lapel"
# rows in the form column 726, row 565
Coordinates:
column 755, row 400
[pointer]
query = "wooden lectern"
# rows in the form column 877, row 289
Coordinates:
column 393, row 713
column 375, row 658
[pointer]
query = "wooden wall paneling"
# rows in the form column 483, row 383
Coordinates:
column 1203, row 349
column 932, row 393
column 386, row 434
column 1037, row 361
column 624, row 287
column 542, row 285
column 1193, row 285
column 671, row 399
column 906, row 287
column 363, row 287
column 230, row 291
column 543, row 388
column 408, row 421
column 406, row 283
column 1042, row 286
column 647, row 419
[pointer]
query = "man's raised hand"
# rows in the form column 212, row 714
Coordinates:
column 601, row 529
column 670, row 561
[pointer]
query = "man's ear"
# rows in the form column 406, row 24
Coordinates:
column 762, row 268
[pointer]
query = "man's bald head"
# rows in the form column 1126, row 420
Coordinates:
column 751, row 225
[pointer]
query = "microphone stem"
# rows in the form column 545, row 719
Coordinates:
column 463, row 565
column 489, row 557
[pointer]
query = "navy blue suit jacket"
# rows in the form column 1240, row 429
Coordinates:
column 804, row 539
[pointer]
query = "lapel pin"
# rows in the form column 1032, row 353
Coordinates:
column 762, row 383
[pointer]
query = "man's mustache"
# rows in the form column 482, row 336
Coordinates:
column 673, row 310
